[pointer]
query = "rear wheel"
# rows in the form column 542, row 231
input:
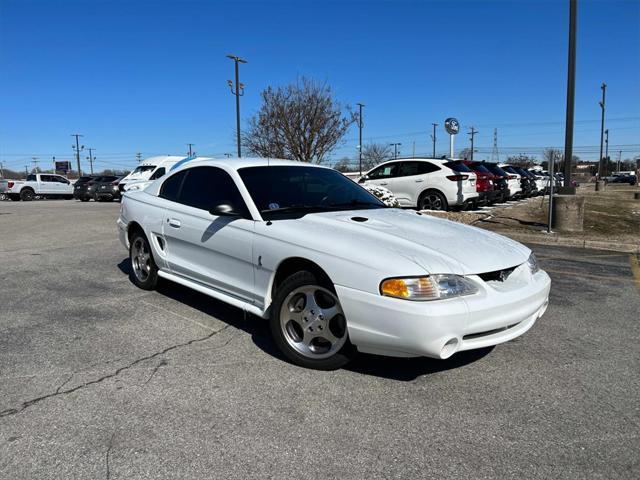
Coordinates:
column 84, row 199
column 309, row 325
column 26, row 195
column 432, row 200
column 144, row 271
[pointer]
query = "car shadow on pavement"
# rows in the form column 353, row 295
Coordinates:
column 400, row 369
column 409, row 369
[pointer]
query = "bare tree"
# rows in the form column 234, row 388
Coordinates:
column 301, row 121
column 343, row 165
column 375, row 153
column 465, row 154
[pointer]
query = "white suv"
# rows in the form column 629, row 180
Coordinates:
column 425, row 183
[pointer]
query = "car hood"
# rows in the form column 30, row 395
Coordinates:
column 436, row 245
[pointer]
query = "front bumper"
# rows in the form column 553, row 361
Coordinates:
column 123, row 233
column 438, row 329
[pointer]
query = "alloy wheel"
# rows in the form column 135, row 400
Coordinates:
column 141, row 259
column 312, row 322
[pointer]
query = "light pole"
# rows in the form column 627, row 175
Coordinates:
column 602, row 107
column 91, row 158
column 77, row 148
column 238, row 92
column 190, row 149
column 395, row 149
column 571, row 83
column 360, row 124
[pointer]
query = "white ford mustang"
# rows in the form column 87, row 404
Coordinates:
column 332, row 268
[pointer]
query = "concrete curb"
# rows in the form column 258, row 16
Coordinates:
column 556, row 239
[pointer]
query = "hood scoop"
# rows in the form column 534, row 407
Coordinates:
column 360, row 219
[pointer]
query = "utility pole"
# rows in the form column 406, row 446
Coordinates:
column 473, row 134
column 139, row 157
column 571, row 84
column 26, row 171
column 602, row 107
column 413, row 155
column 228, row 155
column 190, row 150
column 433, row 139
column 360, row 125
column 606, row 151
column 495, row 155
column 35, row 161
column 395, row 149
column 619, row 159
column 239, row 91
column 91, row 158
column 1, row 170
column 77, row 149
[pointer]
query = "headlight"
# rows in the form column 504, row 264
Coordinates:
column 432, row 287
column 532, row 262
column 132, row 187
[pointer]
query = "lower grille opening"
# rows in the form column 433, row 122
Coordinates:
column 488, row 332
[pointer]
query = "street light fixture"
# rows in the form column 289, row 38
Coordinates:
column 238, row 92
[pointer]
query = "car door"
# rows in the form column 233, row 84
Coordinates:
column 63, row 186
column 215, row 251
column 408, row 183
column 47, row 185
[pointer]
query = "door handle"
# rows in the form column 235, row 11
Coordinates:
column 174, row 222
column 384, row 183
column 419, row 180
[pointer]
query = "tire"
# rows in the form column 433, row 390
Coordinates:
column 26, row 195
column 307, row 338
column 96, row 198
column 432, row 200
column 84, row 199
column 144, row 271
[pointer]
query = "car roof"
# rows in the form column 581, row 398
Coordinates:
column 244, row 162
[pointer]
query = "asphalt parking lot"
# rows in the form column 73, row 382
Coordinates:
column 99, row 379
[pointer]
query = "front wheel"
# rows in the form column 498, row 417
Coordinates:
column 309, row 325
column 144, row 271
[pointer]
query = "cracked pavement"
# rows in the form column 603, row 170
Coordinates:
column 99, row 379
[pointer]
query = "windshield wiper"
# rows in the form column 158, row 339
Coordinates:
column 294, row 208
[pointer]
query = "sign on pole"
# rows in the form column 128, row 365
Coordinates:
column 452, row 126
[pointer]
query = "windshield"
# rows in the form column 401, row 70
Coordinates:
column 144, row 168
column 496, row 170
column 287, row 190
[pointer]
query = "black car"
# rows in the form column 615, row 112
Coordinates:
column 83, row 188
column 106, row 189
column 526, row 183
column 630, row 179
column 501, row 186
column 532, row 180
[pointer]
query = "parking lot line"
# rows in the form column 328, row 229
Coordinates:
column 635, row 269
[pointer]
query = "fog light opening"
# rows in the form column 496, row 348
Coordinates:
column 449, row 348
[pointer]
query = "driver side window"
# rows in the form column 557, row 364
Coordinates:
column 206, row 187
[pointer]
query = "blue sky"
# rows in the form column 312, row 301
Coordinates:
column 150, row 76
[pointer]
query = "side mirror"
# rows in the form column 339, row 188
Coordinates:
column 224, row 210
column 363, row 179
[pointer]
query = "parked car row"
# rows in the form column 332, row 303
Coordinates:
column 444, row 184
column 97, row 187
